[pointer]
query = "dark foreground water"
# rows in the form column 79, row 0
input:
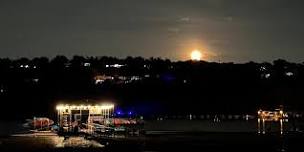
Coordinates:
column 218, row 138
column 207, row 142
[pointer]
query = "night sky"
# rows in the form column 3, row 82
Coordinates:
column 226, row 30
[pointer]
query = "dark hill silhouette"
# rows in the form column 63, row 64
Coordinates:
column 153, row 86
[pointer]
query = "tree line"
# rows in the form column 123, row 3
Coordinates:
column 34, row 86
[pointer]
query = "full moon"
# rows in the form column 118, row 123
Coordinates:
column 196, row 55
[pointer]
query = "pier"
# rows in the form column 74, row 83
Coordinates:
column 94, row 121
column 278, row 115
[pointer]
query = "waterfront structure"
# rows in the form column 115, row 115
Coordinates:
column 73, row 117
column 278, row 115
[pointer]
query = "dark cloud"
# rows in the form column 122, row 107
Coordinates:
column 230, row 30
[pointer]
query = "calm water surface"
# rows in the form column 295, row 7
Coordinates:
column 196, row 141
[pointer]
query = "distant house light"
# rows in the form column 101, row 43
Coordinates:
column 67, row 65
column 135, row 78
column 267, row 75
column 117, row 65
column 263, row 68
column 147, row 76
column 99, row 79
column 114, row 65
column 87, row 64
column 289, row 74
column 147, row 66
column 122, row 78
column 24, row 66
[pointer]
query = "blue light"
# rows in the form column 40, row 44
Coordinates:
column 130, row 113
column 119, row 112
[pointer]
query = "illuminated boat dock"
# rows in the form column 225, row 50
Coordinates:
column 96, row 119
column 277, row 115
column 73, row 117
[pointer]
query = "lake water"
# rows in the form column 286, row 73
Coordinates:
column 32, row 143
column 158, row 141
column 208, row 142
